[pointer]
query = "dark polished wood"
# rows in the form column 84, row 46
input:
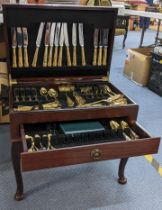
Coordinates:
column 81, row 154
column 122, row 179
column 16, row 150
column 25, row 161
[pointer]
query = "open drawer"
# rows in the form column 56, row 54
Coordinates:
column 111, row 144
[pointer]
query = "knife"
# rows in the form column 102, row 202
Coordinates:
column 38, row 43
column 67, row 44
column 61, row 43
column 100, row 49
column 56, row 43
column 25, row 46
column 74, row 43
column 81, row 42
column 46, row 43
column 105, row 45
column 95, row 44
column 20, row 43
column 14, row 45
column 52, row 33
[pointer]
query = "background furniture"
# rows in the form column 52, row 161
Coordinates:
column 122, row 27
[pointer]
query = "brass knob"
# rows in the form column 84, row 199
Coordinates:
column 96, row 154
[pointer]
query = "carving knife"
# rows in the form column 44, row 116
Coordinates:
column 105, row 45
column 67, row 44
column 46, row 43
column 81, row 42
column 38, row 43
column 56, row 43
column 52, row 33
column 25, row 46
column 61, row 43
column 14, row 46
column 95, row 44
column 74, row 43
column 100, row 49
column 20, row 43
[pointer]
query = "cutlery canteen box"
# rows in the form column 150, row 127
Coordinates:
column 63, row 108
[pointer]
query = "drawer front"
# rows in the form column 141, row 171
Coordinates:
column 89, row 153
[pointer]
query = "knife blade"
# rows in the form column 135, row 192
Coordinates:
column 20, row 43
column 56, row 43
column 25, row 46
column 61, row 43
column 14, row 46
column 38, row 43
column 81, row 42
column 95, row 44
column 105, row 45
column 46, row 43
column 74, row 43
column 52, row 33
column 66, row 37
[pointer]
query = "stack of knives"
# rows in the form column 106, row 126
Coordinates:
column 56, row 36
column 100, row 43
column 20, row 41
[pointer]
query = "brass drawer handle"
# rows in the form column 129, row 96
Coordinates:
column 96, row 154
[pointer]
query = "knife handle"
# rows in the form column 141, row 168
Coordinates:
column 50, row 57
column 83, row 56
column 45, row 56
column 60, row 57
column 100, row 56
column 14, row 62
column 104, row 56
column 95, row 56
column 34, row 63
column 74, row 56
column 55, row 56
column 20, row 60
column 26, row 62
column 68, row 56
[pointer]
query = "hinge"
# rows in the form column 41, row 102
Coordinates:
column 12, row 81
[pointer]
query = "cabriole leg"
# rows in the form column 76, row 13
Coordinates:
column 16, row 150
column 122, row 179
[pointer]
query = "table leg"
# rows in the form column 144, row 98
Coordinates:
column 157, row 33
column 125, row 36
column 122, row 179
column 143, row 31
column 16, row 150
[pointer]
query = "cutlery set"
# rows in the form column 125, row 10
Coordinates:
column 49, row 136
column 56, row 38
column 65, row 96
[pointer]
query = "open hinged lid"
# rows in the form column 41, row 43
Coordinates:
column 59, row 41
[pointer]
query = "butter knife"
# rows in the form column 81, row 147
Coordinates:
column 105, row 45
column 46, row 43
column 14, row 46
column 38, row 43
column 61, row 43
column 74, row 43
column 67, row 44
column 95, row 44
column 52, row 33
column 81, row 42
column 100, row 49
column 25, row 46
column 56, row 43
column 20, row 43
